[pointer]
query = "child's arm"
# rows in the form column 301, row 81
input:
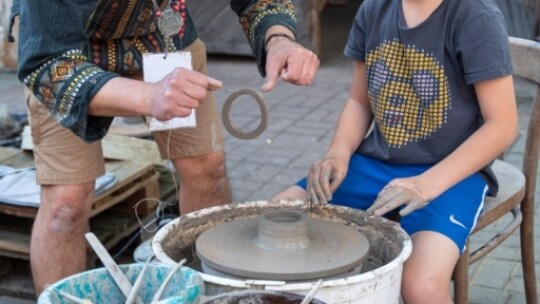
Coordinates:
column 327, row 174
column 498, row 106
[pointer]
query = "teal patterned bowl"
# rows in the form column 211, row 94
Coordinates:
column 97, row 285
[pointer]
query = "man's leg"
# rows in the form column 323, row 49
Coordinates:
column 58, row 247
column 66, row 170
column 203, row 182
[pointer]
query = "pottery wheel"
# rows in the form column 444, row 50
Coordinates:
column 282, row 245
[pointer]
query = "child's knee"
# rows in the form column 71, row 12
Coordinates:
column 420, row 289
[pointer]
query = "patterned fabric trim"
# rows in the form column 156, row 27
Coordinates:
column 253, row 17
column 61, row 82
column 259, row 17
column 121, row 31
column 124, row 56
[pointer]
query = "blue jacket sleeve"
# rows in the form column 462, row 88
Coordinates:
column 53, row 64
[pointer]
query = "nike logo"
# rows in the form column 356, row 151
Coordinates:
column 453, row 220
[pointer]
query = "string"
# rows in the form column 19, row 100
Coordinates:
column 160, row 210
column 161, row 205
column 175, row 182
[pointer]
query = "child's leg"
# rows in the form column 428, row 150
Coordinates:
column 427, row 272
column 439, row 232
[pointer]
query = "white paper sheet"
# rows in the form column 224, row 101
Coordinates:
column 157, row 66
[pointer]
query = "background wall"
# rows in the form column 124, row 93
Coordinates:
column 522, row 17
column 220, row 30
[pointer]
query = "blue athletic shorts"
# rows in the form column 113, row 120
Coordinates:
column 453, row 214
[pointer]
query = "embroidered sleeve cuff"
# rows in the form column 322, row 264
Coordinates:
column 259, row 18
column 66, row 85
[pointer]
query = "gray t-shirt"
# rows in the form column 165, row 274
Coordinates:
column 420, row 79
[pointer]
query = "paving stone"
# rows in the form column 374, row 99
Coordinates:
column 240, row 195
column 268, row 191
column 284, row 139
column 495, row 273
column 291, row 177
column 319, row 115
column 518, row 298
column 240, row 152
column 279, row 124
column 487, row 295
column 272, row 156
column 263, row 174
column 504, row 252
column 246, row 185
column 519, row 272
column 516, row 283
column 306, row 160
column 289, row 111
column 241, row 171
column 310, row 128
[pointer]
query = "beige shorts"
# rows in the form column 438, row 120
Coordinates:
column 61, row 157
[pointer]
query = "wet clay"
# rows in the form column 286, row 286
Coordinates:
column 306, row 248
column 385, row 244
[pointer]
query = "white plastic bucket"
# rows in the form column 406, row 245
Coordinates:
column 389, row 243
column 96, row 285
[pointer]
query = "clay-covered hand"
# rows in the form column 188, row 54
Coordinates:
column 293, row 62
column 178, row 93
column 323, row 179
column 398, row 192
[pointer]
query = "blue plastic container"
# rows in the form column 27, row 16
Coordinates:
column 185, row 287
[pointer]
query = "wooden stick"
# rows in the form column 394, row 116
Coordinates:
column 118, row 276
column 312, row 292
column 138, row 282
column 161, row 289
column 71, row 297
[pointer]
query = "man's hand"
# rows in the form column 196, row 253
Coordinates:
column 178, row 93
column 291, row 61
column 323, row 179
column 398, row 192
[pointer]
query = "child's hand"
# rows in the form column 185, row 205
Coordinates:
column 323, row 179
column 395, row 194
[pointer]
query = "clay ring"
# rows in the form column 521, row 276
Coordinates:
column 227, row 123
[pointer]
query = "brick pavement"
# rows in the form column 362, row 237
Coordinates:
column 301, row 123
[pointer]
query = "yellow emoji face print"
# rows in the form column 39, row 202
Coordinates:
column 408, row 92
